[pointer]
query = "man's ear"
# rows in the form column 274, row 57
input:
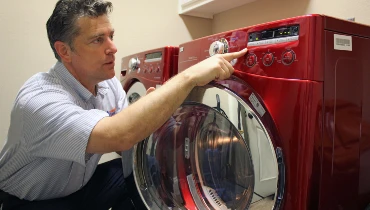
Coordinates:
column 63, row 50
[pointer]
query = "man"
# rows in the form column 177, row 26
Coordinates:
column 60, row 126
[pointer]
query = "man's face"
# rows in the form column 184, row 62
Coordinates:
column 92, row 58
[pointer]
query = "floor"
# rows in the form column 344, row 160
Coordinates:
column 265, row 204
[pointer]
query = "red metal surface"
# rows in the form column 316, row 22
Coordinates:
column 320, row 107
column 303, row 48
column 345, row 173
column 167, row 68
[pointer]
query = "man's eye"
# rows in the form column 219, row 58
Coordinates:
column 98, row 40
column 111, row 36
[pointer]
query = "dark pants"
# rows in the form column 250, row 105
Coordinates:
column 106, row 189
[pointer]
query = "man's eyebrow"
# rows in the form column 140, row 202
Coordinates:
column 96, row 36
column 100, row 35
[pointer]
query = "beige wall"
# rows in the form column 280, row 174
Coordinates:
column 262, row 11
column 25, row 50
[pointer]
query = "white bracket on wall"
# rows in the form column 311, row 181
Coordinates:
column 208, row 8
column 351, row 19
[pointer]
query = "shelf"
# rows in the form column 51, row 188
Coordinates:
column 208, row 8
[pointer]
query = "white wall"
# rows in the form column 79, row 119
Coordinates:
column 25, row 50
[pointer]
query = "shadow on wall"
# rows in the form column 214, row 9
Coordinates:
column 257, row 12
column 193, row 23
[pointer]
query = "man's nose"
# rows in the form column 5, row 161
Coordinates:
column 111, row 49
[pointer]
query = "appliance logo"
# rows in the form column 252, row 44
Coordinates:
column 233, row 39
column 111, row 112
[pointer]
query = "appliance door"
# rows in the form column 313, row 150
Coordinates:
column 213, row 153
column 135, row 91
column 133, row 94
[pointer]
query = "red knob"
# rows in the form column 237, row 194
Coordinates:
column 268, row 59
column 251, row 60
column 288, row 57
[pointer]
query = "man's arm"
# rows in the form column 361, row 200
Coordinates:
column 146, row 115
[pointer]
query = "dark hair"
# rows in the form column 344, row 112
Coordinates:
column 61, row 25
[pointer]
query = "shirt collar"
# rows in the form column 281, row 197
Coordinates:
column 63, row 74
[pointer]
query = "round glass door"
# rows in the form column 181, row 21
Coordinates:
column 135, row 92
column 213, row 153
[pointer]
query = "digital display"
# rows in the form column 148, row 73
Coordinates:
column 267, row 34
column 274, row 33
column 154, row 55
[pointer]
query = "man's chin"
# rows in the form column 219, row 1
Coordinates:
column 111, row 74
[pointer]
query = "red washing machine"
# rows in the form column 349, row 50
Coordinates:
column 289, row 130
column 141, row 71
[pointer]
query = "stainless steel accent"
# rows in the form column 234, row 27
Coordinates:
column 219, row 47
column 134, row 64
column 187, row 149
column 215, row 48
column 213, row 198
column 194, row 193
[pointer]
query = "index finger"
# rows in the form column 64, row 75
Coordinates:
column 230, row 56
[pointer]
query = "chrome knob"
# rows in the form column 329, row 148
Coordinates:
column 219, row 47
column 216, row 47
column 134, row 64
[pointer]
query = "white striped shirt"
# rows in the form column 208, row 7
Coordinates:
column 53, row 115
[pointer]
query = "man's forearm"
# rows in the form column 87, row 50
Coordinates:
column 146, row 115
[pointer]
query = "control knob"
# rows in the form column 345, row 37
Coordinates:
column 251, row 60
column 288, row 57
column 219, row 47
column 134, row 64
column 268, row 59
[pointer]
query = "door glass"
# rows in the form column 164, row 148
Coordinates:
column 213, row 153
column 135, row 92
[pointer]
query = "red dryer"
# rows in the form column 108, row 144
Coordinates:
column 147, row 69
column 140, row 71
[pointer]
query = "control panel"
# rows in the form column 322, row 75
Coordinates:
column 277, row 49
column 285, row 48
column 263, row 38
column 274, row 36
column 143, row 64
column 270, row 37
column 152, row 62
column 156, row 64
